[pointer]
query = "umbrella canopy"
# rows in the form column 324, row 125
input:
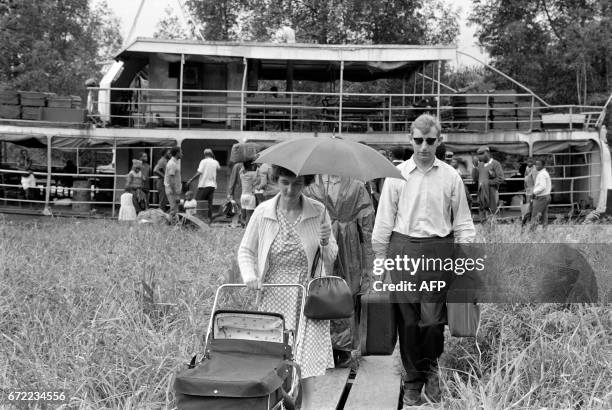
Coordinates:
column 332, row 156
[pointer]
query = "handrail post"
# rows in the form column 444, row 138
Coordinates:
column 340, row 104
column 291, row 112
column 180, row 124
column 571, row 120
column 46, row 210
column 244, row 77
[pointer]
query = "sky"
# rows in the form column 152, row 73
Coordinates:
column 154, row 10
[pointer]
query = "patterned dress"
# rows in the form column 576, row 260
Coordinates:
column 287, row 263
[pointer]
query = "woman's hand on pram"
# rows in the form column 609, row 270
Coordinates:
column 253, row 284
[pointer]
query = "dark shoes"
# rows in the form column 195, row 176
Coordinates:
column 412, row 397
column 432, row 391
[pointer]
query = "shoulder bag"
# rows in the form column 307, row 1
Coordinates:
column 328, row 297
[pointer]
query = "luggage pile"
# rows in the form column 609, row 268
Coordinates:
column 500, row 111
column 38, row 106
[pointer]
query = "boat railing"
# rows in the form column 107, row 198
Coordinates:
column 308, row 111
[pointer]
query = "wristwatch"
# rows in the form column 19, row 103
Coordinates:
column 324, row 243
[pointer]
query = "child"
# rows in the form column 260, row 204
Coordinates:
column 127, row 212
column 190, row 204
column 28, row 183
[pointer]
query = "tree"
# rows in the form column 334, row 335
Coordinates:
column 329, row 21
column 219, row 17
column 559, row 48
column 54, row 45
column 170, row 27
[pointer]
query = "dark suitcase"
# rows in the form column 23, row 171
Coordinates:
column 377, row 324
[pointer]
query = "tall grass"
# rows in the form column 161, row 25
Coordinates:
column 110, row 312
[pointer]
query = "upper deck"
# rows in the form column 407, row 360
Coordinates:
column 224, row 89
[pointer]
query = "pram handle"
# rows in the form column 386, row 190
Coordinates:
column 302, row 300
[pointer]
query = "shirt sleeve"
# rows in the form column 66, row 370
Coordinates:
column 540, row 184
column 247, row 251
column 463, row 225
column 499, row 173
column 385, row 218
column 201, row 167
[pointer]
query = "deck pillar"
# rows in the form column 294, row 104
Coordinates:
column 180, row 119
column 340, row 102
column 244, row 78
column 115, row 175
column 438, row 92
column 46, row 210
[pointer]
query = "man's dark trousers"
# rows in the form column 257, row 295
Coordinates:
column 207, row 194
column 421, row 316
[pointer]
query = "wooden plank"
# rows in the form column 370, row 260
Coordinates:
column 377, row 385
column 329, row 388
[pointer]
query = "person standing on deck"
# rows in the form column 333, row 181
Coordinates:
column 529, row 174
column 207, row 171
column 160, row 172
column 146, row 174
column 541, row 196
column 234, row 190
column 421, row 215
column 270, row 188
column 489, row 175
column 172, row 180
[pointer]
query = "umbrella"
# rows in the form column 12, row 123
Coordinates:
column 328, row 155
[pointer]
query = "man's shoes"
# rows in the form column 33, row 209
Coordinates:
column 412, row 397
column 432, row 391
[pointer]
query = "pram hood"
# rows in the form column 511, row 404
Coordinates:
column 237, row 368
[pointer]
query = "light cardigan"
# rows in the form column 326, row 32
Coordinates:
column 263, row 228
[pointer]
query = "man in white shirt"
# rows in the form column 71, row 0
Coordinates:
column 207, row 171
column 541, row 195
column 422, row 215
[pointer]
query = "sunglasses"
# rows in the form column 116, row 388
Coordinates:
column 419, row 141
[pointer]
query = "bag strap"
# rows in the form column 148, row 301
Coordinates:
column 315, row 264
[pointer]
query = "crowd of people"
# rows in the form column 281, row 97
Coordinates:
column 362, row 221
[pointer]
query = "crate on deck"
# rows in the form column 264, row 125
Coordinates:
column 9, row 97
column 10, row 112
column 32, row 98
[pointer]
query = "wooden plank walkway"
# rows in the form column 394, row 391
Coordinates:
column 377, row 385
column 329, row 388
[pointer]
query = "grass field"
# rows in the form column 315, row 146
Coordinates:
column 110, row 312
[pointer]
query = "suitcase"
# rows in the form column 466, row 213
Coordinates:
column 377, row 324
column 463, row 318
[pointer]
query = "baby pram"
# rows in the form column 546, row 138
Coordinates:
column 247, row 364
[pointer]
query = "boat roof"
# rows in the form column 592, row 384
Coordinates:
column 318, row 62
column 292, row 51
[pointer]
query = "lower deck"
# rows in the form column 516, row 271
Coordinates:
column 578, row 162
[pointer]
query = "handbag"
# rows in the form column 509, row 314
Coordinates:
column 327, row 297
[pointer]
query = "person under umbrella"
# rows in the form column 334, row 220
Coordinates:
column 279, row 246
